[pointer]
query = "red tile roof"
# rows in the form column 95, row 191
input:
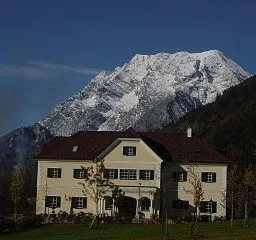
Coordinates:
column 168, row 146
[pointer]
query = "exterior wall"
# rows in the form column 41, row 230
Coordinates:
column 179, row 190
column 145, row 158
column 65, row 187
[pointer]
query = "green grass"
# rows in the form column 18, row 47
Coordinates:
column 218, row 230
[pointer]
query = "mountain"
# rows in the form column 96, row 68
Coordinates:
column 229, row 123
column 18, row 148
column 147, row 93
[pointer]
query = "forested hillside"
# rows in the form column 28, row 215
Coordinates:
column 229, row 123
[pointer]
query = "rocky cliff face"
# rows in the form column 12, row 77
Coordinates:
column 147, row 93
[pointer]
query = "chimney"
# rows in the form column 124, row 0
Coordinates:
column 189, row 132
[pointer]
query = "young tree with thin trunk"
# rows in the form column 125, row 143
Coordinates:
column 15, row 189
column 95, row 185
column 248, row 190
column 197, row 191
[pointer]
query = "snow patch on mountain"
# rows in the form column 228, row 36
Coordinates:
column 147, row 93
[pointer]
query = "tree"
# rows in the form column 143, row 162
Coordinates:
column 16, row 188
column 197, row 191
column 117, row 196
column 233, row 185
column 248, row 190
column 95, row 185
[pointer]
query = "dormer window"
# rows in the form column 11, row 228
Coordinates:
column 129, row 151
column 197, row 151
column 75, row 148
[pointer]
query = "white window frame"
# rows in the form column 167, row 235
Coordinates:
column 111, row 173
column 130, row 151
column 55, row 172
column 80, row 173
column 79, row 202
column 128, row 174
column 110, row 207
column 147, row 174
column 54, row 202
column 208, row 207
column 209, row 177
column 144, row 207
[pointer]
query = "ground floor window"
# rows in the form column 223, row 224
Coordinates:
column 208, row 207
column 79, row 202
column 52, row 201
column 108, row 203
column 145, row 204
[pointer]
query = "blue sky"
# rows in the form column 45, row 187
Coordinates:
column 51, row 49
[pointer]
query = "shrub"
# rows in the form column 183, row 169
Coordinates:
column 31, row 221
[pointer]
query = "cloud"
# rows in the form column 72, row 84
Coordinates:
column 39, row 70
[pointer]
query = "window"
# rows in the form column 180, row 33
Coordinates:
column 197, row 151
column 79, row 202
column 129, row 151
column 75, row 148
column 179, row 176
column 111, row 173
column 78, row 173
column 147, row 174
column 108, row 203
column 54, row 172
column 208, row 177
column 208, row 207
column 130, row 174
column 145, row 204
column 52, row 201
column 180, row 204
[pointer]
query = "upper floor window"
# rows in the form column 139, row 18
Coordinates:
column 180, row 204
column 79, row 202
column 147, row 174
column 78, row 173
column 179, row 176
column 129, row 151
column 54, row 172
column 208, row 207
column 208, row 177
column 129, row 174
column 52, row 201
column 75, row 148
column 111, row 173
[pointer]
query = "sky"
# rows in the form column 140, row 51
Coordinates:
column 51, row 49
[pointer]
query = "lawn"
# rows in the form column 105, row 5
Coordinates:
column 217, row 230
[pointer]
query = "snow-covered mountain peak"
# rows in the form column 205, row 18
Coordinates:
column 148, row 92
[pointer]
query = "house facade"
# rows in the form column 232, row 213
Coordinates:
column 152, row 169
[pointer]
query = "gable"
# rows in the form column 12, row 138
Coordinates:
column 144, row 154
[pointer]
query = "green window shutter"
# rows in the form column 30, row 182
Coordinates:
column 134, row 151
column 203, row 176
column 75, row 173
column 59, row 172
column 47, row 201
column 213, row 177
column 142, row 174
column 214, row 207
column 49, row 172
column 202, row 207
column 151, row 174
column 73, row 202
column 116, row 173
column 125, row 151
column 105, row 175
column 85, row 202
column 58, row 202
column 185, row 176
